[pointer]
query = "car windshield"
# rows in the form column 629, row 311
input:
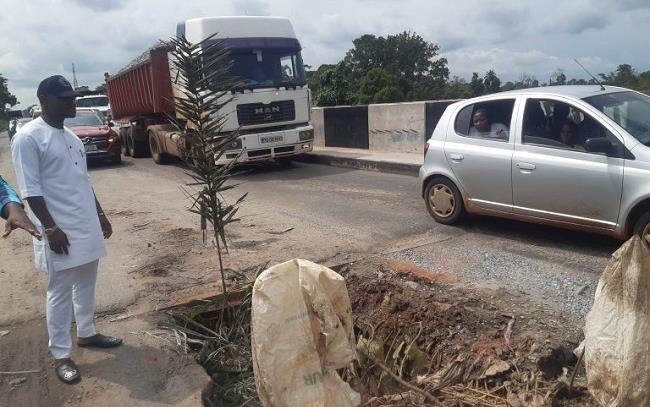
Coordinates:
column 630, row 110
column 93, row 101
column 268, row 68
column 83, row 119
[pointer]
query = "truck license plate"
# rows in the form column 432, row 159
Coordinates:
column 270, row 139
column 90, row 147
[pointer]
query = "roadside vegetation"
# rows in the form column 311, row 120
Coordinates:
column 405, row 67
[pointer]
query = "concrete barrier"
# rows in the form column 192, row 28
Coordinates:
column 399, row 127
column 396, row 126
column 318, row 121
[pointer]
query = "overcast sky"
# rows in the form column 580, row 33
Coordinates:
column 44, row 37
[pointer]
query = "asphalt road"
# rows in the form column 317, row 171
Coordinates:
column 334, row 215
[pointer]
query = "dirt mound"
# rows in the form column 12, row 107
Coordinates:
column 462, row 346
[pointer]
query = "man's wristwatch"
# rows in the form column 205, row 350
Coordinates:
column 50, row 231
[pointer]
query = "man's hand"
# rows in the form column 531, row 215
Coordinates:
column 17, row 219
column 58, row 242
column 107, row 229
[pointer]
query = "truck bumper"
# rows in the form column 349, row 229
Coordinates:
column 255, row 149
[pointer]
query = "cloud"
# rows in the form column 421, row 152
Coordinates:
column 252, row 7
column 44, row 38
column 101, row 5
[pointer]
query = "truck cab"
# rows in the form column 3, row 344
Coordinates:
column 271, row 106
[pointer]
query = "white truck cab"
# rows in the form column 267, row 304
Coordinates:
column 271, row 108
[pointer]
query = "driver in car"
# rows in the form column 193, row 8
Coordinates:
column 484, row 129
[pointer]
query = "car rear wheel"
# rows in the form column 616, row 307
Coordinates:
column 444, row 201
column 642, row 227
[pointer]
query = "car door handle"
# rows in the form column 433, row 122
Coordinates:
column 526, row 166
column 456, row 157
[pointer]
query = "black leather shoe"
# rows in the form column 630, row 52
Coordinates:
column 99, row 341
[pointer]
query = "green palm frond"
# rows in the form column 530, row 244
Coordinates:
column 203, row 84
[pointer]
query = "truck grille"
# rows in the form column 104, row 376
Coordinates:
column 259, row 113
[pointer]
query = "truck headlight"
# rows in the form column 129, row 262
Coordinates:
column 306, row 135
column 234, row 145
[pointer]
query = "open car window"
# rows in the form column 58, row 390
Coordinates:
column 555, row 124
column 488, row 120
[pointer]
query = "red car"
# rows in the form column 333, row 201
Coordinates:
column 98, row 137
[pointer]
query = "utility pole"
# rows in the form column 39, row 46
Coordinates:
column 74, row 77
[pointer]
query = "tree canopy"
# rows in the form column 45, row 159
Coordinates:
column 405, row 67
column 7, row 100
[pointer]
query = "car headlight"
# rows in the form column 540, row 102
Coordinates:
column 306, row 135
column 113, row 138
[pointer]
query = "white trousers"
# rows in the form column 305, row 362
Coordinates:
column 67, row 291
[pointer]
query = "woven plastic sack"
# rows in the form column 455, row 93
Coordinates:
column 617, row 330
column 301, row 332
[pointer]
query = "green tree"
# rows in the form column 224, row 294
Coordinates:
column 101, row 89
column 476, row 85
column 314, row 79
column 558, row 78
column 457, row 88
column 378, row 86
column 623, row 76
column 334, row 87
column 491, row 82
column 7, row 100
column 407, row 56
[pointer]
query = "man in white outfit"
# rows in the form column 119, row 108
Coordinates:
column 50, row 164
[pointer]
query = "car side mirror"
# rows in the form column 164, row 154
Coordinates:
column 598, row 145
column 110, row 124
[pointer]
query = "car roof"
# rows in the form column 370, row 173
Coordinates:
column 576, row 91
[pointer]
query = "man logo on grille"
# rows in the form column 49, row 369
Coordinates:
column 267, row 110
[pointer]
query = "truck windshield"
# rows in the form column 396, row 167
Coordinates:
column 268, row 68
column 630, row 110
column 93, row 102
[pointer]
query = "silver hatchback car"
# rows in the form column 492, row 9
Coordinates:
column 571, row 156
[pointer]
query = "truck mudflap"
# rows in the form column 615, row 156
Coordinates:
column 264, row 146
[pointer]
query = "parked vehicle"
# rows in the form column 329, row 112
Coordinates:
column 271, row 108
column 570, row 156
column 17, row 124
column 97, row 102
column 100, row 141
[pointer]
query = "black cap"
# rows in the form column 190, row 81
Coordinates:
column 55, row 85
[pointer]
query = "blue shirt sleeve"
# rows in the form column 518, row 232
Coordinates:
column 7, row 195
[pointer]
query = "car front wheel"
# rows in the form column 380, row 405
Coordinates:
column 444, row 201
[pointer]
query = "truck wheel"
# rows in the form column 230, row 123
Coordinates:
column 124, row 145
column 138, row 148
column 642, row 227
column 444, row 201
column 158, row 156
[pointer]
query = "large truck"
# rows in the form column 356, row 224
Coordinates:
column 270, row 106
